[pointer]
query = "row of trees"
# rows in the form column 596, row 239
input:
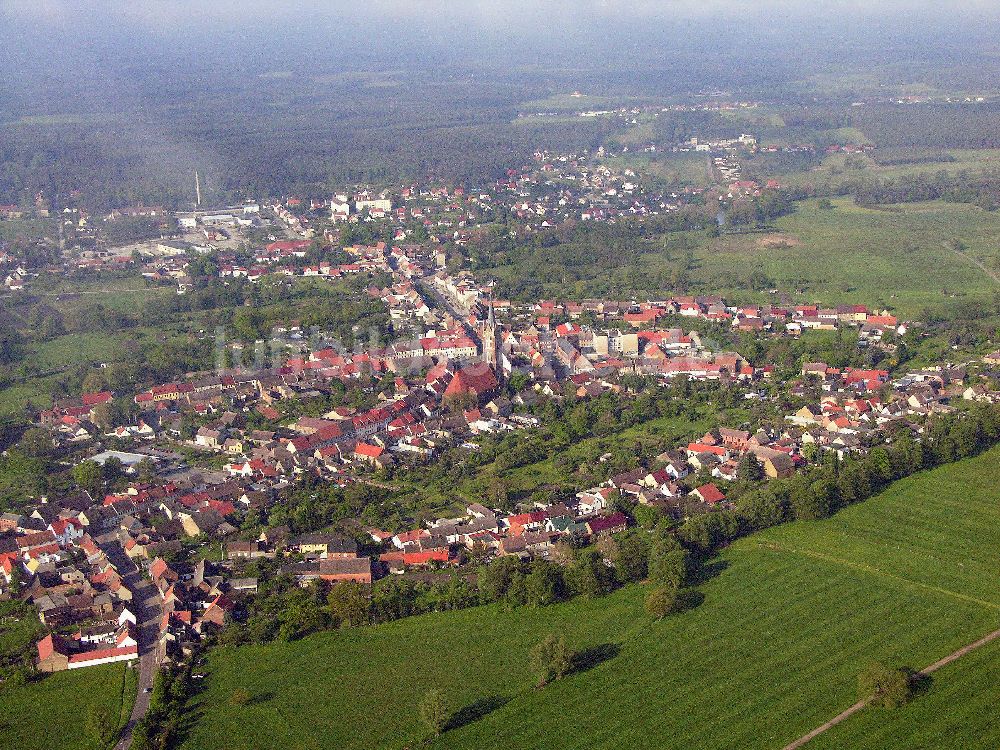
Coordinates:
column 285, row 611
column 980, row 189
column 159, row 729
column 821, row 490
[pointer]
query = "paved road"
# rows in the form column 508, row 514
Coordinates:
column 149, row 615
column 457, row 310
column 862, row 703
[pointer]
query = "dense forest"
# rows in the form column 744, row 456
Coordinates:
column 272, row 136
column 931, row 125
column 301, row 122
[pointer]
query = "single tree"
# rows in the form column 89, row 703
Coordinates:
column 113, row 469
column 551, row 659
column 434, row 711
column 662, row 601
column 544, row 584
column 146, row 470
column 887, row 687
column 749, row 469
column 88, row 476
column 669, row 563
column 589, row 575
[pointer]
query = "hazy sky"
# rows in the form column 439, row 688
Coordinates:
column 166, row 16
column 78, row 35
column 153, row 13
column 150, row 59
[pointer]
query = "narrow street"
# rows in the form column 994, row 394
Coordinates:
column 457, row 311
column 148, row 615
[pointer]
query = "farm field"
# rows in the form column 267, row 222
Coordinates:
column 851, row 254
column 52, row 712
column 787, row 621
column 70, row 295
column 955, row 714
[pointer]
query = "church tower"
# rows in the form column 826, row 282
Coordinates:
column 490, row 348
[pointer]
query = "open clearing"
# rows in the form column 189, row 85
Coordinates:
column 893, row 257
column 788, row 620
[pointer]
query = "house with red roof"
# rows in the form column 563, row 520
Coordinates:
column 375, row 455
column 607, row 525
column 57, row 653
column 422, row 558
column 405, row 538
column 519, row 523
column 709, row 494
column 95, row 399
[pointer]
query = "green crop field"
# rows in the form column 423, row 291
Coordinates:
column 787, row 622
column 957, row 713
column 851, row 254
column 52, row 712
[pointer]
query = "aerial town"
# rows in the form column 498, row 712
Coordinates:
column 201, row 455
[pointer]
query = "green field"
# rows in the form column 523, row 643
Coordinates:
column 52, row 712
column 786, row 624
column 834, row 169
column 682, row 168
column 78, row 348
column 69, row 295
column 849, row 254
column 19, row 628
column 11, row 229
column 955, row 714
column 567, row 102
column 62, row 353
column 36, row 392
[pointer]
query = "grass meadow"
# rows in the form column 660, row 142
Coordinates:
column 957, row 713
column 51, row 713
column 848, row 254
column 683, row 168
column 834, row 168
column 789, row 618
